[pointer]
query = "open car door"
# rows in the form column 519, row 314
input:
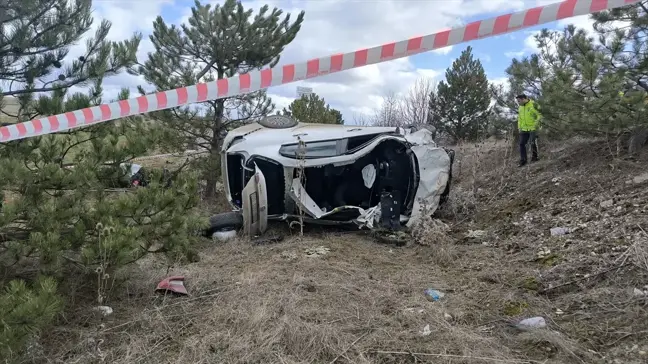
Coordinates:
column 255, row 204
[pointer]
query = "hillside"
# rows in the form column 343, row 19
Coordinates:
column 342, row 297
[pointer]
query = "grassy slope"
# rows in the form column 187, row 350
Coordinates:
column 363, row 302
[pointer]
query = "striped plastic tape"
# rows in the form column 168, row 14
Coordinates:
column 281, row 75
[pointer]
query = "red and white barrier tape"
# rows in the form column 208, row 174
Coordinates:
column 257, row 80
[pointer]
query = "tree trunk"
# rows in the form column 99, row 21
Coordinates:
column 212, row 169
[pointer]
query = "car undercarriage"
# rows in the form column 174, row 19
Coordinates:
column 380, row 183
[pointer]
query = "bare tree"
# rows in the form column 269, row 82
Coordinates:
column 409, row 109
column 390, row 112
column 362, row 120
column 415, row 104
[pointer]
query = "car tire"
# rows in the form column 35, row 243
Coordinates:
column 278, row 122
column 227, row 221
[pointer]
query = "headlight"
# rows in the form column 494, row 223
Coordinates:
column 325, row 149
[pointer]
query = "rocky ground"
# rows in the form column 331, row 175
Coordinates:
column 343, row 297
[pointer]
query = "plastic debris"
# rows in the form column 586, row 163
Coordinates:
column 559, row 231
column 532, row 323
column 174, row 284
column 433, row 294
column 224, row 235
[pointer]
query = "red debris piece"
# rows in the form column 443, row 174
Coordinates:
column 174, row 284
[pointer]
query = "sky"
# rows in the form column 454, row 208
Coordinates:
column 332, row 26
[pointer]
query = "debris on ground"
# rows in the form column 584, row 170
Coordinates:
column 532, row 323
column 433, row 294
column 559, row 231
column 317, row 252
column 173, row 284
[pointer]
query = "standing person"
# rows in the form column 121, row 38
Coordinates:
column 528, row 123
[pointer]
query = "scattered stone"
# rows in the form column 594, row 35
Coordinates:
column 543, row 252
column 606, row 204
column 426, row 330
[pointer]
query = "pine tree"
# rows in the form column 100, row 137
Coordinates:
column 216, row 42
column 313, row 109
column 59, row 212
column 460, row 105
column 577, row 79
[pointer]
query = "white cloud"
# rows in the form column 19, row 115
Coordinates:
column 341, row 26
column 329, row 27
column 127, row 17
column 512, row 54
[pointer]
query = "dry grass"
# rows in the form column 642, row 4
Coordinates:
column 364, row 302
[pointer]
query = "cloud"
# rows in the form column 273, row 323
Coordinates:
column 126, row 18
column 334, row 26
column 512, row 54
column 329, row 27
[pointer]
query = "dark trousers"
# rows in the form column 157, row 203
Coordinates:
column 529, row 137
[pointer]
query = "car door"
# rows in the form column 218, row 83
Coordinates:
column 255, row 204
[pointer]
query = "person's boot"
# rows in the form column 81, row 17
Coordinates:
column 522, row 163
column 534, row 159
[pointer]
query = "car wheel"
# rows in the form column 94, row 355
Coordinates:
column 225, row 225
column 278, row 122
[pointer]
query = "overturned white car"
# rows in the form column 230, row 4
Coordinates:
column 279, row 169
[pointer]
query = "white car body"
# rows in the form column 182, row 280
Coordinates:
column 357, row 167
